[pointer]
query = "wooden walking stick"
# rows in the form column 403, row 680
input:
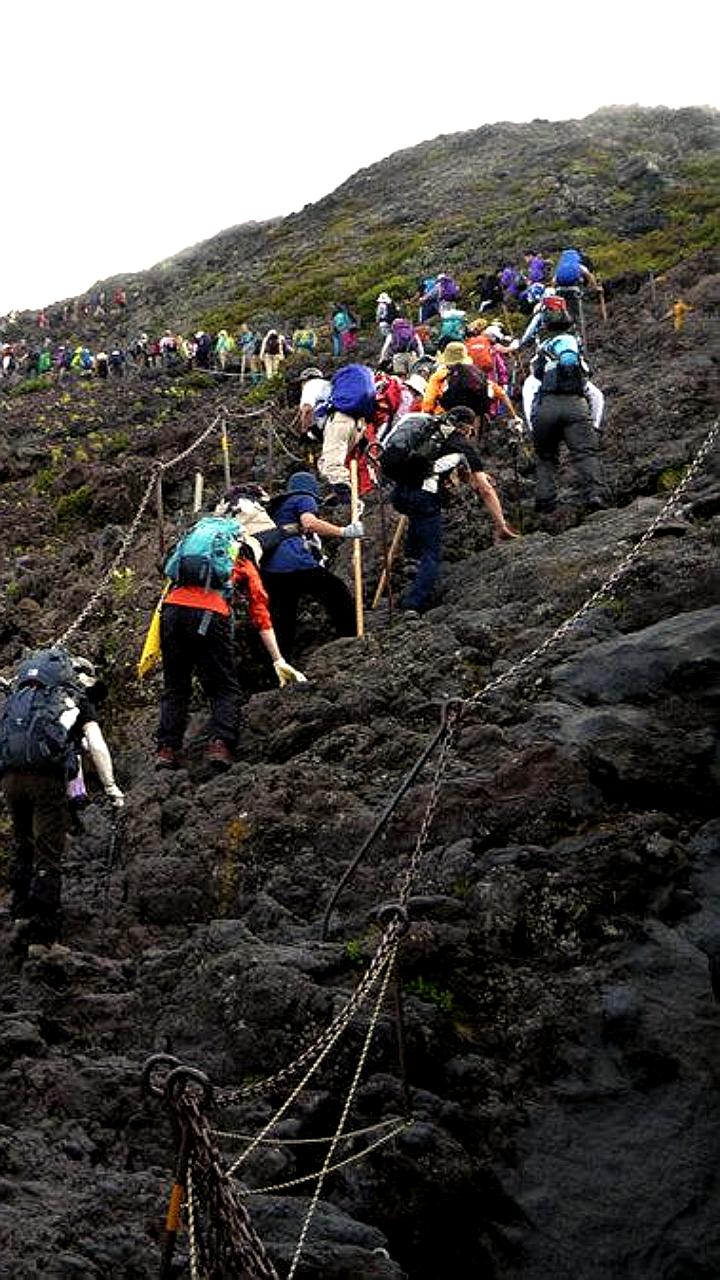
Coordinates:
column 357, row 550
column 603, row 308
column 394, row 548
column 226, row 453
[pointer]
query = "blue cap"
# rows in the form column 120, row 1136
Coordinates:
column 304, row 482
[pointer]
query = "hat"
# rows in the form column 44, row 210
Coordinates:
column 455, row 353
column 383, row 297
column 417, row 383
column 311, row 373
column 304, row 482
column 494, row 331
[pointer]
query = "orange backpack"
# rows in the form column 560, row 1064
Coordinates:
column 480, row 348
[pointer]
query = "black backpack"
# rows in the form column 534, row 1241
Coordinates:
column 466, row 385
column 32, row 735
column 410, row 449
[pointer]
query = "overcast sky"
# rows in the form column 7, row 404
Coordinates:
column 134, row 130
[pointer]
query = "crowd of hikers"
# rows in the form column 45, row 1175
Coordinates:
column 408, row 426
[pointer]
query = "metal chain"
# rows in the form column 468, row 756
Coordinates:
column 451, row 724
column 345, row 1112
column 238, row 1241
column 229, row 1097
column 618, row 572
column 330, row 1043
column 281, row 442
column 340, row 1164
column 305, row 1142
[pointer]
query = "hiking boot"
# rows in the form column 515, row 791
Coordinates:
column 410, row 615
column 167, row 758
column 219, row 754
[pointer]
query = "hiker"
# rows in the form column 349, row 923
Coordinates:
column 560, row 413
column 677, row 314
column 352, row 405
column 224, row 347
column 402, row 345
column 457, row 381
column 295, row 569
column 246, row 344
column 48, row 713
column 511, row 283
column 101, row 364
column 385, row 312
column 550, row 303
column 343, row 328
column 485, row 345
column 305, row 340
column 536, row 267
column 116, row 361
column 489, row 289
column 203, row 349
column 570, row 276
column 272, row 353
column 315, row 389
column 209, row 568
column 421, row 483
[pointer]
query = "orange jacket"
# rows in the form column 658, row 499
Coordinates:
column 244, row 572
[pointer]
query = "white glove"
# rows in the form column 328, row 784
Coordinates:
column 514, row 345
column 518, row 426
column 115, row 795
column 287, row 674
column 355, row 529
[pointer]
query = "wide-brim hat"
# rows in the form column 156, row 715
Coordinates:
column 455, row 353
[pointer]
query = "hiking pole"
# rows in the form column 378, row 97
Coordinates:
column 515, row 446
column 225, row 444
column 384, row 543
column 198, row 494
column 394, row 548
column 112, row 848
column 603, row 307
column 581, row 316
column 357, row 550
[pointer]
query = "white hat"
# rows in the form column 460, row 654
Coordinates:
column 417, row 383
column 383, row 297
column 494, row 331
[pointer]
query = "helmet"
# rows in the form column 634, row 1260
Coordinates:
column 311, row 373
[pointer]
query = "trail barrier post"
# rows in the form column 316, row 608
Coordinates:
column 160, row 515
column 226, row 453
column 198, row 493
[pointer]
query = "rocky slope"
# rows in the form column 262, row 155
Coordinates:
column 561, row 1037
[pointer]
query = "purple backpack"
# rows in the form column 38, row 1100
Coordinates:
column 449, row 289
column 403, row 334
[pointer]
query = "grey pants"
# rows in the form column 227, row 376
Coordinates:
column 561, row 419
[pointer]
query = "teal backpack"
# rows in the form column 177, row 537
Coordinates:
column 205, row 556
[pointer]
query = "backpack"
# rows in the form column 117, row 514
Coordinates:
column 480, row 348
column 411, row 447
column 205, row 556
column 466, row 385
column 567, row 271
column 305, row 339
column 32, row 735
column 342, row 320
column 353, row 391
column 559, row 366
column 453, row 326
column 449, row 289
column 402, row 335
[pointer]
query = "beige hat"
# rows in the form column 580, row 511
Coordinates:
column 455, row 353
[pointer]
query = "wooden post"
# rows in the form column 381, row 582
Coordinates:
column 160, row 516
column 603, row 307
column 653, row 294
column 394, row 547
column 226, row 453
column 270, row 455
column 198, row 494
column 357, row 550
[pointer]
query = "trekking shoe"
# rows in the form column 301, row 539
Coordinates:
column 219, row 754
column 167, row 758
column 596, row 504
column 410, row 615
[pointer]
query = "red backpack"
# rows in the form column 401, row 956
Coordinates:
column 480, row 348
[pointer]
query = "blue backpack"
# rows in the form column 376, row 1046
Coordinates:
column 568, row 271
column 353, row 391
column 449, row 289
column 561, row 371
column 205, row 556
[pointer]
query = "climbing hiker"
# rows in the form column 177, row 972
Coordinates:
column 343, row 328
column 47, row 715
column 352, row 406
column 224, row 347
column 116, row 360
column 315, row 389
column 402, row 345
column 453, row 327
column 212, row 566
column 385, row 312
column 273, row 349
column 420, row 456
column 560, row 413
column 305, row 339
column 570, row 277
column 296, row 570
column 246, row 345
column 457, row 381
column 677, row 314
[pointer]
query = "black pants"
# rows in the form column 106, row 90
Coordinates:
column 558, row 419
column 39, row 812
column 286, row 590
column 210, row 654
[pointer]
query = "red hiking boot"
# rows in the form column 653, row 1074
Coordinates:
column 219, row 754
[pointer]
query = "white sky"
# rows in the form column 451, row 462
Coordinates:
column 135, row 129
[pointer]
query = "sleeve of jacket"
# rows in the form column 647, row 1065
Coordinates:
column 433, row 391
column 245, row 572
